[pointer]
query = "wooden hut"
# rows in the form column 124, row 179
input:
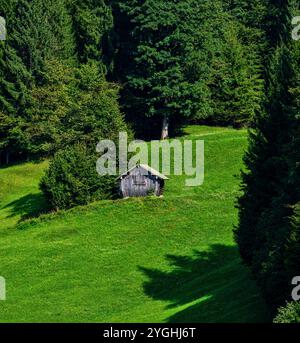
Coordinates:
column 142, row 181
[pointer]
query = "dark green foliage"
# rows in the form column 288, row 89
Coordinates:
column 266, row 160
column 72, row 179
column 85, row 110
column 208, row 67
column 268, row 232
column 38, row 31
column 74, row 105
column 95, row 112
column 290, row 314
column 51, row 98
column 76, row 109
column 167, row 78
column 93, row 22
column 250, row 20
column 237, row 45
column 50, row 104
column 204, row 68
column 236, row 83
column 41, row 31
column 292, row 247
column 12, row 137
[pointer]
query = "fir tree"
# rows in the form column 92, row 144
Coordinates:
column 92, row 22
column 166, row 80
column 37, row 32
column 265, row 207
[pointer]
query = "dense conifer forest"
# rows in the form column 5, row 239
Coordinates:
column 142, row 59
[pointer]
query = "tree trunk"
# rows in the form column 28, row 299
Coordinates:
column 165, row 128
column 7, row 157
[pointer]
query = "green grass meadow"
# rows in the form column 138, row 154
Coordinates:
column 170, row 259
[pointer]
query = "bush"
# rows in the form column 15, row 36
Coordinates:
column 72, row 179
column 289, row 314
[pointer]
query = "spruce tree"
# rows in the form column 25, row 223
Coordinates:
column 38, row 31
column 166, row 75
column 92, row 23
column 264, row 227
column 236, row 82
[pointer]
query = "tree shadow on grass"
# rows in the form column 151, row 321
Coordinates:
column 29, row 206
column 209, row 286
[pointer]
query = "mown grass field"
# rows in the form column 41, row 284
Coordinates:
column 136, row 260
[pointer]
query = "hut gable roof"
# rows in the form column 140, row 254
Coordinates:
column 147, row 169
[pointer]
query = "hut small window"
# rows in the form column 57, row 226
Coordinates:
column 139, row 180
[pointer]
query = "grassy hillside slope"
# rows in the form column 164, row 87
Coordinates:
column 137, row 260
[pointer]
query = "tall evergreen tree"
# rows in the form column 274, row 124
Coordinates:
column 215, row 55
column 264, row 227
column 92, row 23
column 38, row 31
column 236, row 82
column 166, row 77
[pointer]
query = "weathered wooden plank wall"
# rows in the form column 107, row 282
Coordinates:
column 139, row 183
